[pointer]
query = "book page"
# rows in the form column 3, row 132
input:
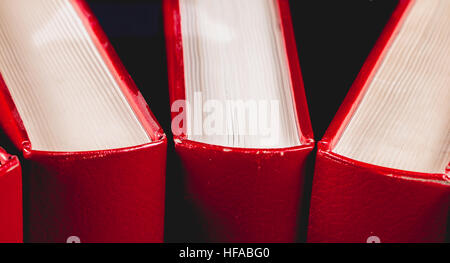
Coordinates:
column 63, row 90
column 403, row 121
column 237, row 79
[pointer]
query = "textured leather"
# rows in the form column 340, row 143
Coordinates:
column 245, row 195
column 351, row 203
column 110, row 196
column 11, row 223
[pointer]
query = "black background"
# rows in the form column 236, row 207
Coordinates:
column 334, row 38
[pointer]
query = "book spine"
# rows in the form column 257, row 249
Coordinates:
column 245, row 195
column 355, row 203
column 110, row 196
column 242, row 195
column 11, row 222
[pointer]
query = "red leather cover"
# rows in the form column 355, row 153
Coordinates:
column 114, row 195
column 105, row 196
column 359, row 202
column 243, row 195
column 11, row 227
column 352, row 202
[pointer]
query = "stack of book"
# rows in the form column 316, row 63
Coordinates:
column 93, row 156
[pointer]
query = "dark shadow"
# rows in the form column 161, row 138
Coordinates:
column 334, row 39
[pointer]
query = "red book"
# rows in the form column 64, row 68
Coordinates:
column 11, row 227
column 246, row 187
column 382, row 168
column 94, row 154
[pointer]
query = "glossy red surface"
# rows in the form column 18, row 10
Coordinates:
column 242, row 195
column 10, row 122
column 352, row 200
column 107, row 196
column 100, row 196
column 11, row 222
column 245, row 195
column 175, row 60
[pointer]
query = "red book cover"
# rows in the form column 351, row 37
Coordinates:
column 359, row 201
column 242, row 194
column 111, row 195
column 11, row 225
